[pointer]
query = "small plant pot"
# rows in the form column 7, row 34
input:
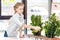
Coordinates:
column 53, row 38
column 38, row 33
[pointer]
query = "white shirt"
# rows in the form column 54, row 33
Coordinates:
column 15, row 22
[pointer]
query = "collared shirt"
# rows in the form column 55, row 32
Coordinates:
column 15, row 22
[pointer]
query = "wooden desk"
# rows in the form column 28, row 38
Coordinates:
column 37, row 37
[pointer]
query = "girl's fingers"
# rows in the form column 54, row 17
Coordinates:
column 21, row 36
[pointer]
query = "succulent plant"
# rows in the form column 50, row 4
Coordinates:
column 51, row 26
column 36, row 21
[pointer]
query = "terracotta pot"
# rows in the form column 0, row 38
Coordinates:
column 53, row 39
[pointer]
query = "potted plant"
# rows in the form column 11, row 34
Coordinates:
column 57, row 33
column 51, row 27
column 36, row 21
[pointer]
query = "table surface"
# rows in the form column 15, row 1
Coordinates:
column 43, row 37
column 31, row 35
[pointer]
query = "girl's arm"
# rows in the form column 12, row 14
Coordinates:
column 27, row 26
column 31, row 27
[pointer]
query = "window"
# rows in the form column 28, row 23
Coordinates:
column 56, row 8
column 6, row 8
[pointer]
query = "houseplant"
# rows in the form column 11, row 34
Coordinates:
column 36, row 21
column 51, row 27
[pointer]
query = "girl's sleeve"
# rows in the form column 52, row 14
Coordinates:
column 17, row 21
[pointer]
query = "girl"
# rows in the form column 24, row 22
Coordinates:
column 17, row 22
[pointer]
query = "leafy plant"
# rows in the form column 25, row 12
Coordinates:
column 51, row 26
column 36, row 21
column 57, row 33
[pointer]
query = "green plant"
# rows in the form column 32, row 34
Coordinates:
column 51, row 26
column 36, row 21
column 57, row 33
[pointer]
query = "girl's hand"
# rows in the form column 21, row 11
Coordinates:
column 37, row 28
column 21, row 36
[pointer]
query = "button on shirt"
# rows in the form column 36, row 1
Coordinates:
column 15, row 22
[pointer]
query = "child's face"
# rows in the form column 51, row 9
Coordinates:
column 20, row 9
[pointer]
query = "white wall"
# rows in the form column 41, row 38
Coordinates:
column 3, row 24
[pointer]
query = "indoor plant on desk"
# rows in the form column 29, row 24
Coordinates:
column 36, row 21
column 51, row 27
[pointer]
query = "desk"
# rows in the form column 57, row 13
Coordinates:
column 37, row 37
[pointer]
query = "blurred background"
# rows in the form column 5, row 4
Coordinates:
column 36, row 7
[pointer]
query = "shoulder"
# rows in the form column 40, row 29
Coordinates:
column 22, row 15
column 15, row 16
